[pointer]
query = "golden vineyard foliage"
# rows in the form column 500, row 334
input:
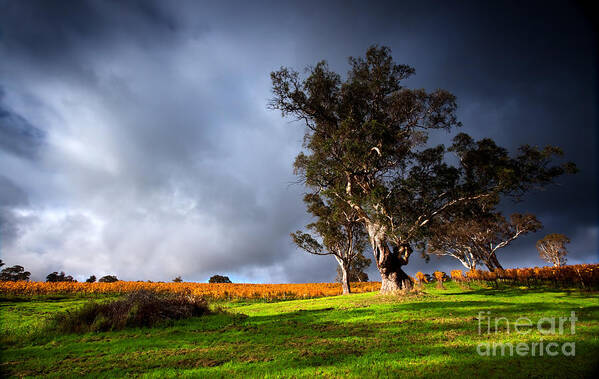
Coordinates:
column 585, row 275
column 207, row 290
column 439, row 278
column 457, row 275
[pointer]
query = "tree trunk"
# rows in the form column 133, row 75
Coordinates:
column 345, row 279
column 466, row 263
column 389, row 263
column 492, row 263
column 395, row 281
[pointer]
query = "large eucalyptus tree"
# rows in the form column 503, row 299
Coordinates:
column 366, row 143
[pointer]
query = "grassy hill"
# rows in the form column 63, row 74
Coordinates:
column 435, row 334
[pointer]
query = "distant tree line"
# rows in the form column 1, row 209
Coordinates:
column 17, row 273
column 14, row 273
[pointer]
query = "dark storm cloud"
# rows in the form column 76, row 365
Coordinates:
column 50, row 30
column 528, row 74
column 11, row 196
column 17, row 135
column 158, row 158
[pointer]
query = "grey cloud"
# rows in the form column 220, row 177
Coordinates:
column 160, row 159
column 47, row 31
column 11, row 196
column 17, row 135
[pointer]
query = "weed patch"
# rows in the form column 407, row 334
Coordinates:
column 138, row 309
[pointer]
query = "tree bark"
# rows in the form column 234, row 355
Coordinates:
column 395, row 281
column 345, row 279
column 492, row 263
column 389, row 262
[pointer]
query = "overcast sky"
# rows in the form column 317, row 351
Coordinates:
column 135, row 138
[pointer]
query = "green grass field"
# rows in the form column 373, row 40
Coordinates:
column 363, row 335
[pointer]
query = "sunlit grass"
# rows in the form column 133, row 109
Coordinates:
column 361, row 335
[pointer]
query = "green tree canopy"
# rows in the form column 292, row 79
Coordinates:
column 552, row 248
column 338, row 226
column 219, row 279
column 108, row 279
column 14, row 274
column 366, row 143
column 62, row 277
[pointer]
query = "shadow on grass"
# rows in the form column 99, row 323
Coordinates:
column 432, row 336
column 296, row 344
column 512, row 291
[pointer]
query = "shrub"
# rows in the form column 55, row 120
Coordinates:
column 420, row 279
column 439, row 278
column 457, row 275
column 138, row 309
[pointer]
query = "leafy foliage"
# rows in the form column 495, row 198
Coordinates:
column 421, row 278
column 341, row 232
column 583, row 275
column 62, row 277
column 108, row 279
column 440, row 277
column 457, row 275
column 356, row 270
column 211, row 291
column 552, row 248
column 475, row 239
column 219, row 279
column 14, row 274
column 366, row 144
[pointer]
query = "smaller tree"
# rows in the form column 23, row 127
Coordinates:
column 219, row 279
column 178, row 279
column 356, row 270
column 474, row 239
column 14, row 274
column 91, row 279
column 341, row 233
column 108, row 279
column 552, row 248
column 62, row 277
